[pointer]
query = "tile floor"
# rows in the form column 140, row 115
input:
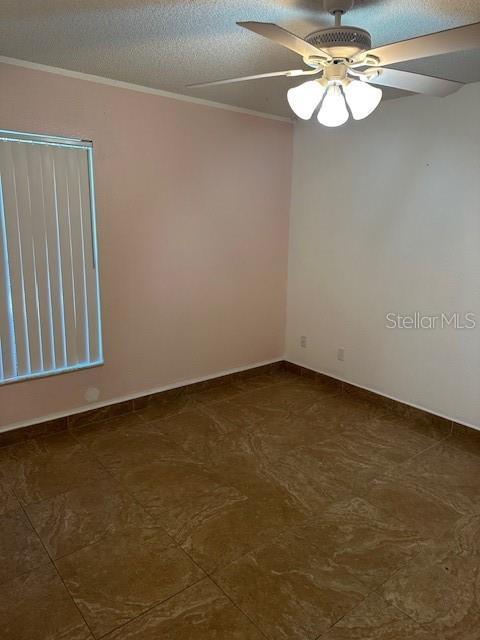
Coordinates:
column 272, row 507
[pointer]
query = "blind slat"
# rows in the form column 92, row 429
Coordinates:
column 91, row 283
column 77, row 254
column 40, row 247
column 54, row 259
column 8, row 362
column 19, row 309
column 27, row 253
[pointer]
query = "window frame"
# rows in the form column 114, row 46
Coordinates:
column 87, row 145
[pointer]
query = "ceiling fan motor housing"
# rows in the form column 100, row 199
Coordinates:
column 341, row 42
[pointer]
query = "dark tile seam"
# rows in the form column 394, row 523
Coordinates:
column 58, row 573
column 146, row 611
column 237, row 606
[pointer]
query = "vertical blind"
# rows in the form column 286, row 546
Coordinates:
column 49, row 292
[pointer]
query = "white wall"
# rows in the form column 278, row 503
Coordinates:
column 386, row 218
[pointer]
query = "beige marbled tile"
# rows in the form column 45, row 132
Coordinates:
column 218, row 536
column 218, row 393
column 196, row 432
column 419, row 509
column 465, row 536
column 466, row 438
column 46, row 466
column 368, row 542
column 300, row 395
column 404, row 415
column 441, row 590
column 124, row 574
column 289, row 589
column 36, row 606
column 220, row 443
column 8, row 501
column 201, row 612
column 123, row 446
column 20, row 548
column 374, row 619
column 84, row 515
column 179, row 492
column 445, row 474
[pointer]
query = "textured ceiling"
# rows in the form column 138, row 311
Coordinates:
column 167, row 44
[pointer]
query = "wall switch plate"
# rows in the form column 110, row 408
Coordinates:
column 303, row 342
column 341, row 354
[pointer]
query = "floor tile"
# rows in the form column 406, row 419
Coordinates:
column 36, row 606
column 125, row 574
column 415, row 507
column 216, row 537
column 444, row 474
column 387, row 440
column 280, row 401
column 465, row 535
column 440, row 589
column 127, row 446
column 466, row 438
column 84, row 515
column 44, row 467
column 20, row 548
column 352, row 457
column 198, row 433
column 218, row 393
column 8, row 501
column 201, row 612
column 374, row 619
column 289, row 589
column 167, row 404
column 365, row 541
column 317, row 514
column 179, row 492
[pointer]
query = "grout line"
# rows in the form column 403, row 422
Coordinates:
column 237, row 606
column 118, row 483
column 52, row 562
column 149, row 609
column 123, row 488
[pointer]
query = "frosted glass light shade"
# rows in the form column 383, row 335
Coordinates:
column 305, row 98
column 333, row 112
column 362, row 98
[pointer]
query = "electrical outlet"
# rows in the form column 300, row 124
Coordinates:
column 341, row 354
column 303, row 342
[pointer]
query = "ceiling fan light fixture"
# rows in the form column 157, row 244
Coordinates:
column 333, row 112
column 305, row 98
column 362, row 98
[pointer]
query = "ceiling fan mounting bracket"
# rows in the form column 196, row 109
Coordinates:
column 338, row 6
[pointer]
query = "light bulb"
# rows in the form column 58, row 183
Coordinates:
column 305, row 98
column 334, row 111
column 362, row 98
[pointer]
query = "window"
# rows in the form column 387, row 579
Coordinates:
column 49, row 293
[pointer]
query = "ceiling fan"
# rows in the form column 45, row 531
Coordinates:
column 347, row 67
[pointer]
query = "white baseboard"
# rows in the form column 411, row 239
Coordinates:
column 132, row 396
column 384, row 395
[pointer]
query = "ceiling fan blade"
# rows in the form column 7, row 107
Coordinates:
column 433, row 44
column 416, row 82
column 283, row 38
column 273, row 74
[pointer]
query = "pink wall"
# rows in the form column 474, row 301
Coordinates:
column 193, row 223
